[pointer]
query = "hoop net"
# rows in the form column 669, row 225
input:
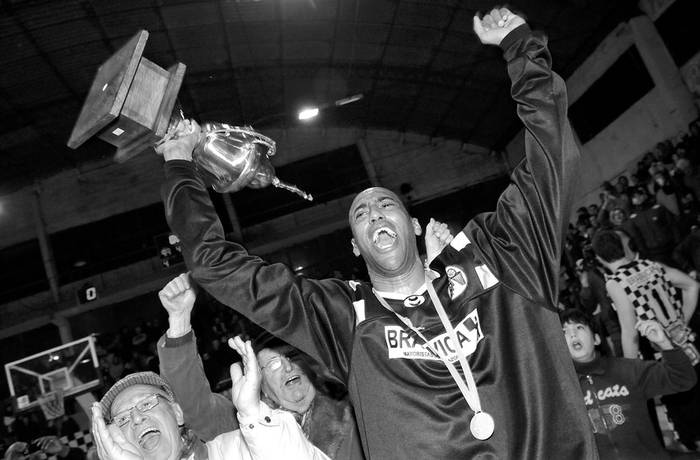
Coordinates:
column 51, row 404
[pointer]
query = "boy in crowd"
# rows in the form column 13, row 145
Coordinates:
column 615, row 390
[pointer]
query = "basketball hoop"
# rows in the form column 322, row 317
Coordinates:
column 51, row 404
column 72, row 367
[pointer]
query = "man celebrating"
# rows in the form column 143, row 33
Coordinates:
column 462, row 360
column 327, row 422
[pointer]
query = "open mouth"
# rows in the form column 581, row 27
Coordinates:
column 576, row 345
column 149, row 439
column 383, row 237
column 293, row 380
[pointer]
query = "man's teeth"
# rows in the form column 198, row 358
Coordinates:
column 379, row 231
column 291, row 380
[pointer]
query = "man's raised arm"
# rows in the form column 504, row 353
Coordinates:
column 207, row 413
column 315, row 316
column 522, row 239
column 688, row 286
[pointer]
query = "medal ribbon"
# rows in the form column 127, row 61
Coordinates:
column 467, row 385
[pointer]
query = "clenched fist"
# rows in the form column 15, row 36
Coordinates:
column 495, row 25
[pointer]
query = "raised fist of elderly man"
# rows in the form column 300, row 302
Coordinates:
column 495, row 25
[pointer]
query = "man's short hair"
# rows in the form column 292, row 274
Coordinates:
column 138, row 378
column 607, row 245
column 576, row 316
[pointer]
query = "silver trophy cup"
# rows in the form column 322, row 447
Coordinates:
column 232, row 157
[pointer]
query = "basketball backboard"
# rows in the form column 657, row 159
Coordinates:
column 72, row 368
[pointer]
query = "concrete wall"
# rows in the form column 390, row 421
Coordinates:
column 76, row 197
column 691, row 76
column 662, row 113
column 690, row 71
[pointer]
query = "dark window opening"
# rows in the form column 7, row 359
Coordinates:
column 109, row 243
column 678, row 29
column 22, row 271
column 623, row 84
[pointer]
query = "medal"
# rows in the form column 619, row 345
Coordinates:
column 481, row 426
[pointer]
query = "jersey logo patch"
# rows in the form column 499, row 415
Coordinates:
column 413, row 300
column 403, row 345
column 457, row 280
column 468, row 333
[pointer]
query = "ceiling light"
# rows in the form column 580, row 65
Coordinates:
column 349, row 99
column 308, row 113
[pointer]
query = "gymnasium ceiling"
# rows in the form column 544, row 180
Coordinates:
column 417, row 63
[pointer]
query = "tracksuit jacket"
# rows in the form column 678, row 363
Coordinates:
column 616, row 390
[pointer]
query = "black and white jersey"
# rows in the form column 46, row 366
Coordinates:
column 498, row 281
column 648, row 289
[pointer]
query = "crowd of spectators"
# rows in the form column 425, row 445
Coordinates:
column 133, row 349
column 656, row 207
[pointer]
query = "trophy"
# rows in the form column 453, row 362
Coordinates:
column 132, row 104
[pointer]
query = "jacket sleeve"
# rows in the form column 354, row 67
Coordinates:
column 589, row 299
column 632, row 228
column 277, row 435
column 207, row 413
column 682, row 254
column 672, row 224
column 521, row 241
column 315, row 316
column 673, row 374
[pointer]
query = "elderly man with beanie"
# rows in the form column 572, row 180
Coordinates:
column 139, row 418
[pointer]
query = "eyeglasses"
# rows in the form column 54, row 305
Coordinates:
column 275, row 363
column 143, row 406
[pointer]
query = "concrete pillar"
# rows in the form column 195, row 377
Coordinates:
column 679, row 109
column 64, row 329
column 45, row 245
column 367, row 160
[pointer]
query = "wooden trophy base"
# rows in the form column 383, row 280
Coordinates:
column 130, row 102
